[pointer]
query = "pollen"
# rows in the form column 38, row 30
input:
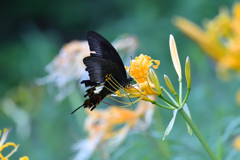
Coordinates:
column 108, row 77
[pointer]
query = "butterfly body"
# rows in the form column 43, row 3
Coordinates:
column 106, row 71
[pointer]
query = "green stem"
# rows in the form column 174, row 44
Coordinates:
column 180, row 91
column 160, row 105
column 170, row 96
column 176, row 95
column 167, row 102
column 186, row 97
column 198, row 134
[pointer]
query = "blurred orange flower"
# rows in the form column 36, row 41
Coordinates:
column 111, row 126
column 24, row 158
column 236, row 143
column 220, row 39
column 66, row 67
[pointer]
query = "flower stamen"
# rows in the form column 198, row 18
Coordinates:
column 130, row 103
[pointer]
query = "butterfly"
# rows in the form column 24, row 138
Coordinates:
column 106, row 71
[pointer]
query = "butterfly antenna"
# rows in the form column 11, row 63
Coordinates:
column 130, row 67
column 130, row 76
column 76, row 110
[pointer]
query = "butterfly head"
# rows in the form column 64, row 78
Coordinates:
column 128, row 81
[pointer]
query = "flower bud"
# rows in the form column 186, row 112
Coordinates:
column 174, row 55
column 188, row 72
column 155, row 81
column 169, row 84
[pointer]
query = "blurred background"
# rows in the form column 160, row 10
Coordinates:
column 32, row 34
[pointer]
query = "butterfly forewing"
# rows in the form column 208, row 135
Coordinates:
column 104, row 49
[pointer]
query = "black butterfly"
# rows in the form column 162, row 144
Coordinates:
column 103, row 64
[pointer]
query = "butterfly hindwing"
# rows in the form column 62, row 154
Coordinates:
column 98, row 68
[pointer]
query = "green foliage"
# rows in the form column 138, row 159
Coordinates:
column 32, row 33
